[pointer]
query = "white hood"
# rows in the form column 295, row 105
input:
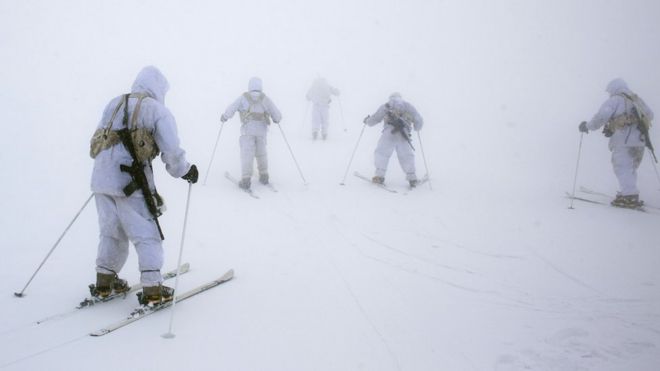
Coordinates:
column 152, row 82
column 617, row 86
column 255, row 84
column 396, row 102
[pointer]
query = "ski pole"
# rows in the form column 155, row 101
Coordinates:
column 655, row 168
column 222, row 124
column 169, row 334
column 353, row 155
column 577, row 165
column 341, row 112
column 421, row 147
column 290, row 151
column 20, row 294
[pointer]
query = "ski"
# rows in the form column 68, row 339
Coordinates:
column 610, row 197
column 379, row 185
column 233, row 180
column 641, row 208
column 92, row 300
column 144, row 311
column 570, row 196
column 591, row 191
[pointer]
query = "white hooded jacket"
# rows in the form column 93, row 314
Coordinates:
column 242, row 104
column 107, row 177
column 615, row 106
column 402, row 108
column 321, row 92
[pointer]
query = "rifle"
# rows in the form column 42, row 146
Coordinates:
column 400, row 126
column 136, row 171
column 643, row 128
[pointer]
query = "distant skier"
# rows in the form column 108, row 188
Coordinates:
column 256, row 110
column 400, row 118
column 626, row 119
column 133, row 130
column 320, row 94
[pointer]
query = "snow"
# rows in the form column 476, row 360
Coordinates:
column 485, row 268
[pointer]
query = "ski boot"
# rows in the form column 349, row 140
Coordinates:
column 628, row 202
column 378, row 179
column 106, row 284
column 244, row 183
column 413, row 183
column 314, row 135
column 263, row 179
column 155, row 295
column 324, row 136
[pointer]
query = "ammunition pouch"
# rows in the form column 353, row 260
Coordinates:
column 618, row 123
column 254, row 116
column 146, row 148
column 102, row 140
column 621, row 122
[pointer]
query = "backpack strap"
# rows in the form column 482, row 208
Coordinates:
column 136, row 111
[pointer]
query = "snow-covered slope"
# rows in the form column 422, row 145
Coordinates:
column 485, row 268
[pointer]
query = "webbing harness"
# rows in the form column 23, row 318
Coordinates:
column 250, row 115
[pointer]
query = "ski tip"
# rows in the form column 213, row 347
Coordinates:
column 19, row 294
column 99, row 333
column 227, row 276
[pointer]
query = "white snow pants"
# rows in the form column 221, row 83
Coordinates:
column 124, row 219
column 253, row 146
column 389, row 142
column 320, row 114
column 625, row 161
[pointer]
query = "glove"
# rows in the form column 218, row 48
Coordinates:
column 366, row 118
column 223, row 119
column 583, row 127
column 192, row 175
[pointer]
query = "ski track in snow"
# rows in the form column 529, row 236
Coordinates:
column 320, row 239
column 366, row 316
column 563, row 273
column 44, row 351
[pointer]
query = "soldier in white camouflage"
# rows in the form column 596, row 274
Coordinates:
column 625, row 119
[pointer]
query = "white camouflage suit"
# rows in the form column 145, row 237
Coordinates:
column 320, row 94
column 254, row 128
column 626, row 143
column 123, row 219
column 390, row 141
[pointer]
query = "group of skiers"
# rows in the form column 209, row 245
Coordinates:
column 256, row 111
column 136, row 127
